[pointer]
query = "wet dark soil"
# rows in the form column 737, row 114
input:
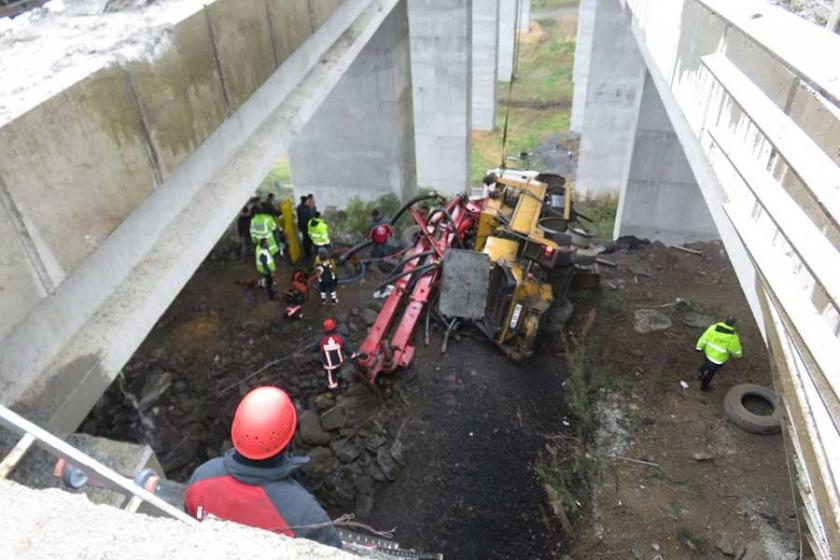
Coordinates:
column 470, row 423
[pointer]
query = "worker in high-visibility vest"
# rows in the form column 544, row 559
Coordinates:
column 319, row 231
column 718, row 343
column 266, row 266
column 325, row 272
column 263, row 226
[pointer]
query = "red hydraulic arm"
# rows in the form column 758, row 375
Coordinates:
column 443, row 226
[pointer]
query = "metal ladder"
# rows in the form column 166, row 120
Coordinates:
column 104, row 476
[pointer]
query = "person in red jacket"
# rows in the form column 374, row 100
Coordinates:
column 380, row 233
column 254, row 483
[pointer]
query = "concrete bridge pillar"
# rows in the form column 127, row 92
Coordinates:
column 360, row 141
column 660, row 198
column 507, row 39
column 441, row 68
column 524, row 15
column 485, row 51
column 612, row 95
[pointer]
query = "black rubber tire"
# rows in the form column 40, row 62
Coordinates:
column 754, row 423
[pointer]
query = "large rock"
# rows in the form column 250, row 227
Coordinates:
column 369, row 316
column 345, row 451
column 389, row 467
column 311, row 431
column 698, row 320
column 334, row 418
column 647, row 321
column 324, row 402
column 155, row 386
column 320, row 463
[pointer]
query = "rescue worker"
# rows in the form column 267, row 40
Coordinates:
column 266, row 266
column 319, row 231
column 304, row 213
column 380, row 233
column 263, row 226
column 718, row 343
column 325, row 272
column 243, row 230
column 334, row 352
column 254, row 483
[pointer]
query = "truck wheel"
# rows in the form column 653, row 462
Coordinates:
column 749, row 421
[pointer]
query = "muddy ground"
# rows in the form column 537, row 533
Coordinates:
column 447, row 451
column 443, row 452
column 738, row 494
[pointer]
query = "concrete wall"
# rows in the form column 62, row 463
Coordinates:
column 507, row 39
column 485, row 54
column 360, row 142
column 64, row 351
column 441, row 70
column 524, row 15
column 143, row 119
column 583, row 52
column 612, row 98
column 660, row 198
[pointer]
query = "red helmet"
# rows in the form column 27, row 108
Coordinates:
column 329, row 325
column 264, row 423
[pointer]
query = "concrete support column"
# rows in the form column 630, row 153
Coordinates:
column 583, row 53
column 507, row 39
column 660, row 199
column 441, row 72
column 360, row 141
column 485, row 51
column 615, row 71
column 524, row 15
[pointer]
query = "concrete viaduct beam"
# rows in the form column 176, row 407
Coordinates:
column 117, row 257
column 360, row 142
column 485, row 54
column 441, row 69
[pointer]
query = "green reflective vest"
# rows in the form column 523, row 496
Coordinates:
column 262, row 227
column 269, row 259
column 719, row 342
column 318, row 231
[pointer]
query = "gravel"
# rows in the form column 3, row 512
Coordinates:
column 49, row 524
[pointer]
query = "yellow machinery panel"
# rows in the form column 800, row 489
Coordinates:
column 290, row 230
column 501, row 249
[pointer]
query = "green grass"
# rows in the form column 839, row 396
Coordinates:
column 541, row 98
column 278, row 181
column 602, row 212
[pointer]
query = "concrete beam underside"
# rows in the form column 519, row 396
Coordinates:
column 612, row 96
column 441, row 74
column 61, row 358
column 507, row 39
column 583, row 52
column 485, row 52
column 660, row 199
column 360, row 142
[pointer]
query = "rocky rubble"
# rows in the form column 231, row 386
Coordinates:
column 183, row 409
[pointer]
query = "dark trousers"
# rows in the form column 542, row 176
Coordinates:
column 706, row 372
column 307, row 245
column 269, row 285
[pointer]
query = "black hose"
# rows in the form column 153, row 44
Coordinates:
column 353, row 279
column 410, row 258
column 354, row 249
column 420, row 197
column 399, row 275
